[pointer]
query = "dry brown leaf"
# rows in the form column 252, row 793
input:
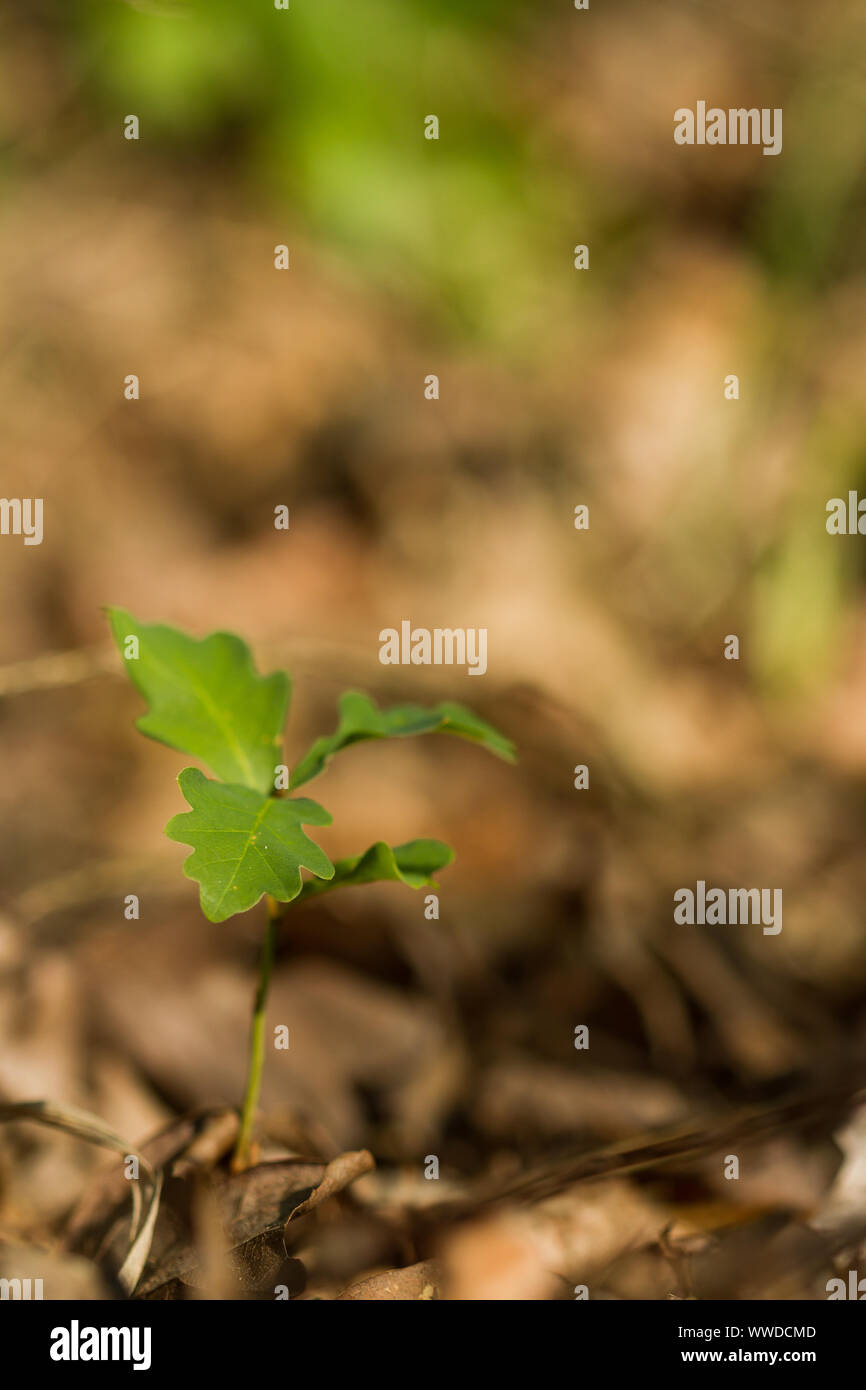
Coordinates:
column 339, row 1173
column 418, row 1283
column 500, row 1257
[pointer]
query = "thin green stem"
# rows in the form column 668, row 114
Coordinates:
column 241, row 1156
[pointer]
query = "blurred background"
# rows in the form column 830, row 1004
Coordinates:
column 557, row 387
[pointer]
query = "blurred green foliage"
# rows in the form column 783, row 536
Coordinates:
column 324, row 106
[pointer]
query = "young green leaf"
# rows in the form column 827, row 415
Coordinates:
column 246, row 844
column 360, row 719
column 206, row 698
column 413, row 863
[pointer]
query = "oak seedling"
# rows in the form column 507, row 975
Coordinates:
column 205, row 698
